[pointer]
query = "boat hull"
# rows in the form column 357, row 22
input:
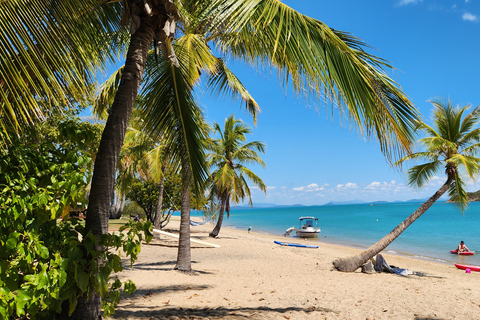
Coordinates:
column 307, row 234
column 465, row 267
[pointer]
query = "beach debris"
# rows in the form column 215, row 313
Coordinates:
column 368, row 267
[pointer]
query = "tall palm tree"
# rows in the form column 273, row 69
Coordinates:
column 451, row 145
column 229, row 156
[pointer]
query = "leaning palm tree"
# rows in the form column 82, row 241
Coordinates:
column 229, row 156
column 452, row 145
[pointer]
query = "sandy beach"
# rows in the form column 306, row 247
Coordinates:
column 251, row 277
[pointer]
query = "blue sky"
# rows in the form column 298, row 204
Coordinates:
column 312, row 160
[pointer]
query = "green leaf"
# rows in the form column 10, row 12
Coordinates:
column 82, row 280
column 101, row 280
column 43, row 251
column 12, row 241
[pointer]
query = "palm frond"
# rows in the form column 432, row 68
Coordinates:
column 322, row 63
column 171, row 111
column 50, row 51
column 420, row 174
column 107, row 93
column 470, row 164
column 223, row 81
column 458, row 194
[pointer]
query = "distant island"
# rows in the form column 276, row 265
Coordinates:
column 472, row 196
column 352, row 202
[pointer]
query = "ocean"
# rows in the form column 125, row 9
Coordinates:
column 430, row 237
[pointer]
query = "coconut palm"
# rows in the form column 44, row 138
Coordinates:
column 229, row 156
column 451, row 145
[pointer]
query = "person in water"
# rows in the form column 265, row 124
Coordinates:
column 462, row 247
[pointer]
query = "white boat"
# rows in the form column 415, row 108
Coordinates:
column 308, row 228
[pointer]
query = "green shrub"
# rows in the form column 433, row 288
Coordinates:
column 131, row 209
column 42, row 251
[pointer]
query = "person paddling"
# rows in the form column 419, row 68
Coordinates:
column 462, row 248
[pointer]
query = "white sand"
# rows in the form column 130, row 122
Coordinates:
column 250, row 277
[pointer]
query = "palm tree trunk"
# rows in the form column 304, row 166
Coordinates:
column 116, row 210
column 157, row 223
column 353, row 263
column 101, row 193
column 184, row 258
column 216, row 230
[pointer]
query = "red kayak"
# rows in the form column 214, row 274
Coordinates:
column 465, row 266
column 469, row 253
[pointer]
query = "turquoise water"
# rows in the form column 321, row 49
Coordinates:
column 431, row 237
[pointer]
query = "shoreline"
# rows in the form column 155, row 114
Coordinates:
column 250, row 277
column 353, row 246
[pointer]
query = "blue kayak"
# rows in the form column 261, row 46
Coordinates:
column 295, row 244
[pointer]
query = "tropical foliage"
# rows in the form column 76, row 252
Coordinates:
column 44, row 174
column 451, row 146
column 230, row 153
column 56, row 44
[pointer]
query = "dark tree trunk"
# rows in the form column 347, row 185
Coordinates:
column 184, row 258
column 353, row 263
column 157, row 223
column 218, row 226
column 85, row 311
column 101, row 194
column 116, row 210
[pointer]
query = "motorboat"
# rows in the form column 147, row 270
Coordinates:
column 308, row 227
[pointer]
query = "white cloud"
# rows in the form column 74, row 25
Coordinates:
column 406, row 2
column 469, row 17
column 349, row 185
column 374, row 184
column 311, row 187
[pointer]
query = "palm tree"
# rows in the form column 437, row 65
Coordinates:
column 228, row 157
column 451, row 146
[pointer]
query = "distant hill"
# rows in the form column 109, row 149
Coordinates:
column 472, row 196
column 266, row 205
column 336, row 203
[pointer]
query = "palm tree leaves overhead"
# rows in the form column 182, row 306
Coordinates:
column 321, row 63
column 171, row 110
column 452, row 144
column 223, row 82
column 49, row 51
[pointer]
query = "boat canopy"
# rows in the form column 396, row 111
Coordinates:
column 303, row 218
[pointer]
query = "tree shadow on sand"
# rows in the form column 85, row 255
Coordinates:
column 163, row 290
column 159, row 266
column 130, row 312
